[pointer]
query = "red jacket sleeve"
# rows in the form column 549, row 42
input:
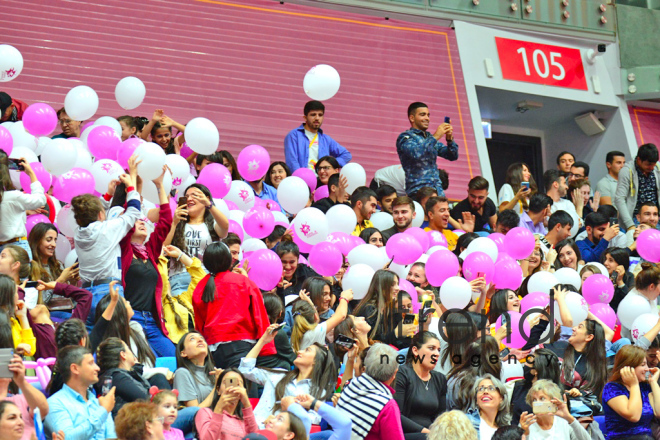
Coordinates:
column 126, row 254
column 260, row 318
column 82, row 297
column 155, row 243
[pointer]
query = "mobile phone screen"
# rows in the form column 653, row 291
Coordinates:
column 15, row 165
column 182, row 201
column 447, row 120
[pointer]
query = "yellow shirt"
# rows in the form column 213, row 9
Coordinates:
column 361, row 227
column 451, row 237
column 22, row 335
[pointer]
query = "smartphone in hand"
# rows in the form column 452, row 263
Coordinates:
column 345, row 342
column 447, row 120
column 16, row 165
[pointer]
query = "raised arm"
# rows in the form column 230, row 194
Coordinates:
column 630, row 408
column 33, row 397
column 146, row 131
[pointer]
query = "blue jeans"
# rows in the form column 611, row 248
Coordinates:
column 321, row 435
column 98, row 292
column 185, row 420
column 159, row 343
column 618, row 345
column 22, row 244
column 179, row 283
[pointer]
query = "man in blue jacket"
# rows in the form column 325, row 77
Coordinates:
column 305, row 145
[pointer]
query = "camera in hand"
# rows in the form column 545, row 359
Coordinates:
column 16, row 165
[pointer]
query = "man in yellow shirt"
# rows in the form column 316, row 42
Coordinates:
column 364, row 203
column 437, row 209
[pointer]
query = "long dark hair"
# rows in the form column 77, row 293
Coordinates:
column 217, row 259
column 567, row 242
column 216, row 396
column 224, row 154
column 119, row 327
column 7, row 294
column 378, row 295
column 324, row 377
column 108, row 354
column 270, row 169
column 184, row 362
column 37, row 234
column 620, row 255
column 71, row 332
column 170, row 147
column 499, row 304
column 418, row 341
column 514, row 176
column 596, row 372
column 5, row 180
column 7, row 341
column 546, row 364
column 463, row 330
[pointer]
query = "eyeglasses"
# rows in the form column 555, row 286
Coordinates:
column 489, row 388
column 577, row 176
column 328, row 168
column 65, row 121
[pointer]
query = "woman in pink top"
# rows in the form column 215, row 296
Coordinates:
column 231, row 417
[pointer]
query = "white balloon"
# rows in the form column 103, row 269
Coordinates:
column 202, row 136
column 150, row 192
column 59, row 157
column 455, row 293
column 111, row 122
column 81, row 103
column 7, row 124
column 84, row 157
column 71, row 258
column 367, row 254
column 15, row 177
column 293, row 194
column 577, row 306
column 511, row 371
column 418, row 221
column 355, row 175
column 42, row 143
column 603, row 269
column 179, row 167
column 11, row 62
column 130, row 92
column 341, row 218
column 631, row 307
column 238, row 216
column 104, row 171
column 21, row 137
column 57, row 204
column 642, row 325
column 399, row 269
column 422, row 258
column 184, row 186
column 153, row 159
column 253, row 244
column 280, row 217
column 542, row 282
column 321, row 82
column 358, row 278
column 567, row 275
column 311, row 225
column 63, row 247
column 24, row 152
column 434, row 249
column 485, row 245
column 241, row 194
column 66, row 221
column 85, row 134
column 382, row 220
column 220, row 204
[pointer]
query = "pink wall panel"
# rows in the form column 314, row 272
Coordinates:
column 646, row 123
column 241, row 64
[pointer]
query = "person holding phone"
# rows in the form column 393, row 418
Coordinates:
column 551, row 416
column 14, row 203
column 518, row 188
column 230, row 415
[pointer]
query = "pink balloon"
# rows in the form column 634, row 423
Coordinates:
column 253, row 162
column 605, row 313
column 186, row 151
column 265, row 269
column 231, row 205
column 436, row 238
column 508, row 275
column 86, row 125
column 308, row 176
column 534, row 300
column 325, row 258
column 273, row 205
column 103, row 142
column 305, row 248
column 441, row 265
column 73, row 183
column 503, row 256
column 33, row 219
column 39, row 119
column 43, row 177
column 126, row 150
column 259, row 202
column 478, row 263
column 517, row 339
column 236, row 229
column 321, row 193
column 407, row 287
column 217, row 179
column 342, row 240
column 519, row 243
column 258, row 222
column 302, row 260
column 421, row 236
column 499, row 241
column 355, row 241
column 6, row 141
column 403, row 248
column 598, row 289
column 648, row 245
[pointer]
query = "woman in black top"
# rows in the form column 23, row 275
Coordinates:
column 421, row 391
column 544, row 366
column 617, row 263
column 294, row 273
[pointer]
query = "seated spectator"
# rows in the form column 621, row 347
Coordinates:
column 70, row 332
column 579, row 171
column 631, row 398
column 326, row 167
column 357, row 328
column 437, row 208
column 617, row 263
column 513, row 194
column 167, row 403
column 502, row 301
column 230, row 414
column 637, row 183
column 363, row 202
column 417, row 277
column 116, row 362
column 452, row 425
column 22, row 335
column 11, row 110
column 314, row 373
column 275, row 237
column 277, row 172
column 647, row 285
column 139, row 421
column 506, row 220
column 559, row 229
column 336, row 193
column 287, row 425
column 403, row 213
column 614, row 161
column 70, row 128
column 599, row 234
column 386, row 195
column 652, row 353
column 565, row 161
column 369, row 400
column 393, row 177
column 233, row 242
column 556, row 188
column 422, row 196
column 620, row 240
column 193, row 377
column 75, row 409
column 341, row 424
column 544, row 365
column 372, row 236
column 13, row 423
column 579, row 191
column 420, row 391
column 306, row 145
column 647, row 215
column 160, row 129
column 477, row 209
column 294, row 273
column 275, row 309
column 568, row 255
column 540, row 207
column 492, row 410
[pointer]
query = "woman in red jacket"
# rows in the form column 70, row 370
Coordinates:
column 229, row 310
